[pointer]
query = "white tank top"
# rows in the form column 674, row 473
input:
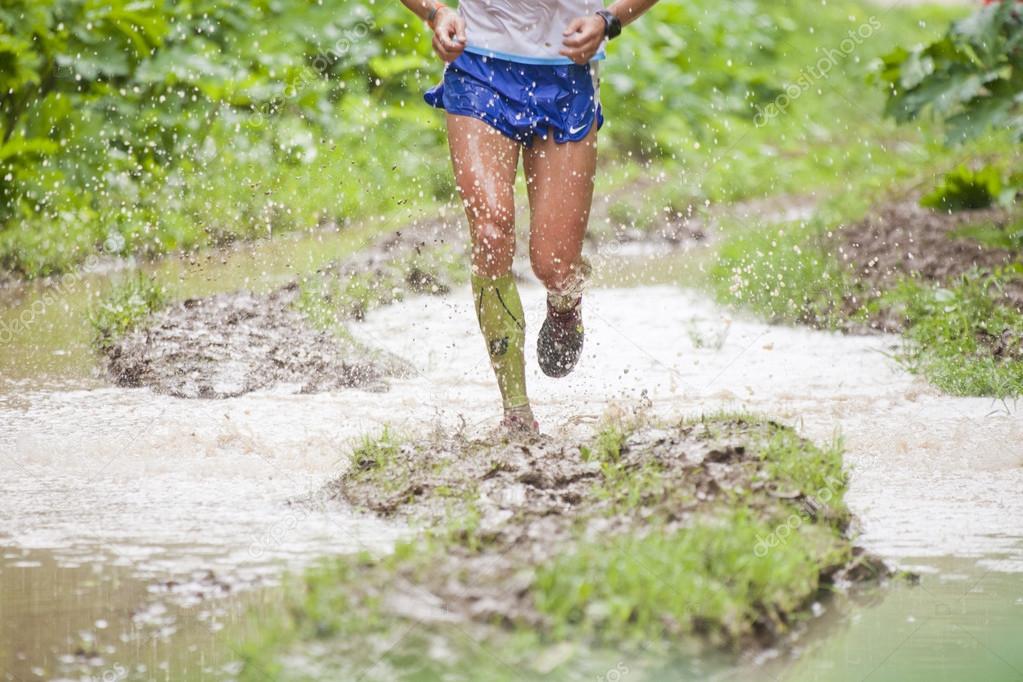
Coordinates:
column 523, row 31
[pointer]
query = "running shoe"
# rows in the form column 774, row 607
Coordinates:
column 560, row 342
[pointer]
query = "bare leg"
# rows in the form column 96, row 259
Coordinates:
column 485, row 163
column 559, row 178
column 560, row 182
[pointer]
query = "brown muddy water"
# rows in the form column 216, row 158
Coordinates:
column 141, row 534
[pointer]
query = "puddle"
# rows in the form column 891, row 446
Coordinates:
column 109, row 625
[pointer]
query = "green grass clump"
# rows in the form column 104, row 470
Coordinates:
column 1008, row 237
column 963, row 337
column 375, row 453
column 127, row 304
column 785, row 273
column 607, row 445
column 804, row 466
column 705, row 578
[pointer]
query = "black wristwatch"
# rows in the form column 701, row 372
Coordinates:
column 612, row 24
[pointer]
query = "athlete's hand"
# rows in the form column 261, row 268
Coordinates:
column 448, row 34
column 583, row 37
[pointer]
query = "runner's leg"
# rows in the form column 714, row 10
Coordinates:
column 559, row 178
column 485, row 163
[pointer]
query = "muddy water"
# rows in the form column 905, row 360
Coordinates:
column 110, row 499
column 932, row 475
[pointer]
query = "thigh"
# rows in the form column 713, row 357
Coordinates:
column 559, row 178
column 485, row 162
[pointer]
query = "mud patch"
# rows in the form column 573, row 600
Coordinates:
column 903, row 239
column 508, row 525
column 231, row 344
column 531, row 501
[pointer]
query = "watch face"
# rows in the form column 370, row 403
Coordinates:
column 612, row 26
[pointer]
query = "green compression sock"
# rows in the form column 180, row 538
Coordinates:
column 499, row 311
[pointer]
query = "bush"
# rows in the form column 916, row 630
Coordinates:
column 972, row 76
column 963, row 189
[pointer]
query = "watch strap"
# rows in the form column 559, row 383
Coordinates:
column 612, row 24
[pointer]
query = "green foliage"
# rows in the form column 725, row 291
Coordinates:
column 127, row 304
column 689, row 64
column 197, row 123
column 964, row 338
column 964, row 189
column 972, row 77
column 157, row 126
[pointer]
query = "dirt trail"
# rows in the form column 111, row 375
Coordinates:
column 925, row 476
column 677, row 350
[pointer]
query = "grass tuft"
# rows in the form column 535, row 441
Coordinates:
column 961, row 337
column 705, row 578
column 127, row 304
column 375, row 453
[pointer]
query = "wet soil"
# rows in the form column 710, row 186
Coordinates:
column 532, row 501
column 230, row 344
column 902, row 238
column 234, row 343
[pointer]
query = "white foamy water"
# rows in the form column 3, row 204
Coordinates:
column 172, row 485
column 932, row 475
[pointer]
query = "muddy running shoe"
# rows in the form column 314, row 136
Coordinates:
column 560, row 342
column 519, row 422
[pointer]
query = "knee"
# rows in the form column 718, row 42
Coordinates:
column 493, row 248
column 555, row 270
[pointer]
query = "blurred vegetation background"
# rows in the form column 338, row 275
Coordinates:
column 142, row 127
column 149, row 126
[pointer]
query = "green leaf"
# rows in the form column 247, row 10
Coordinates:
column 20, row 147
column 964, row 189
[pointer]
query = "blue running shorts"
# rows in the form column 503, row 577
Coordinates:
column 521, row 100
